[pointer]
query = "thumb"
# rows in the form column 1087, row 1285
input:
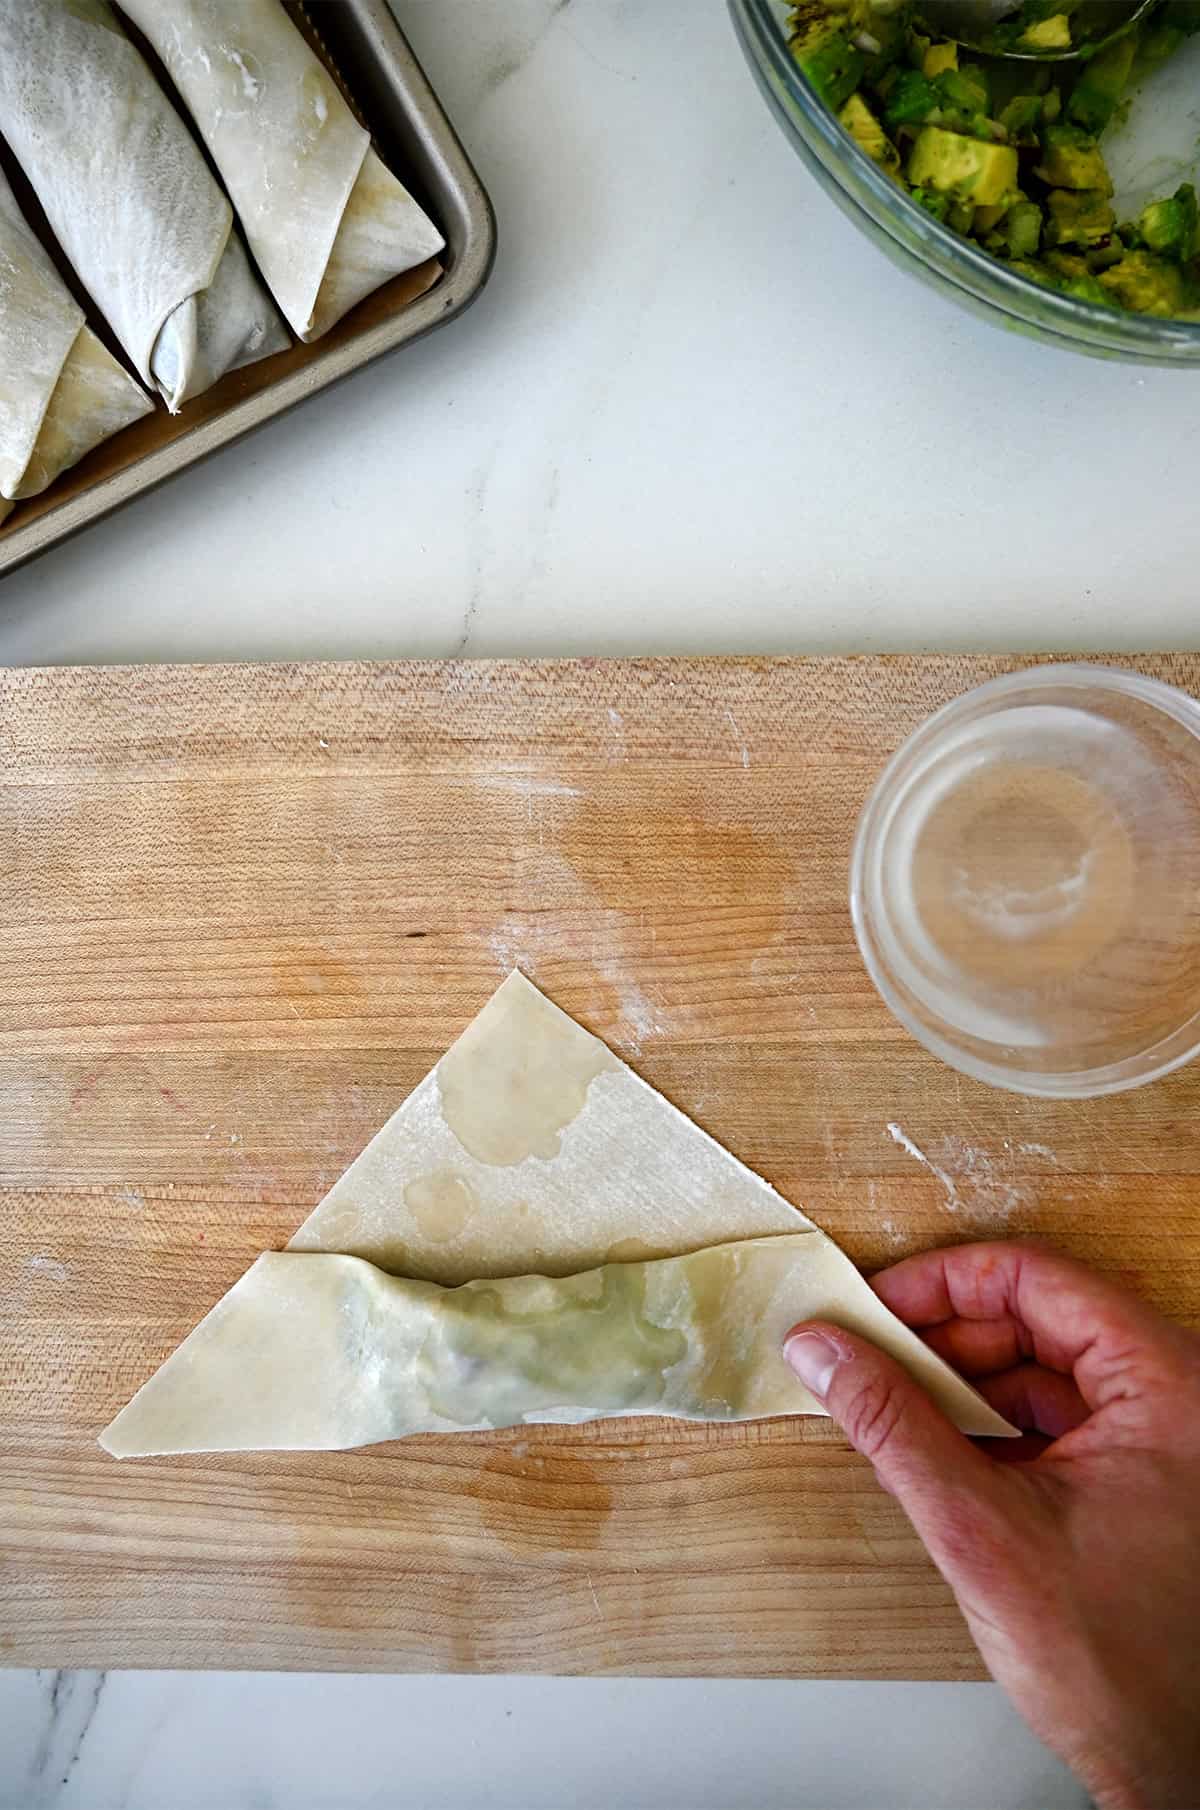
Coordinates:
column 943, row 1482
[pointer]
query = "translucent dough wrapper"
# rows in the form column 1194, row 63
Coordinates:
column 321, row 1352
column 129, row 196
column 325, row 218
column 667, row 1273
column 61, row 391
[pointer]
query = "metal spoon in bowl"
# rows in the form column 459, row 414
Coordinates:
column 971, row 23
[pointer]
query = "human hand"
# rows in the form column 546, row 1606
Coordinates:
column 1078, row 1570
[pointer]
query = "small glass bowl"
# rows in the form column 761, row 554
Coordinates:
column 924, row 247
column 1025, row 881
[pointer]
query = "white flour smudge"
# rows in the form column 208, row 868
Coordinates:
column 738, row 737
column 131, row 1197
column 50, row 1267
column 1042, row 1150
column 526, row 785
column 918, row 1155
column 991, row 1195
column 522, row 946
column 639, row 1014
column 974, row 1184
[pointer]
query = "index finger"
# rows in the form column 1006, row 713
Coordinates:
column 1077, row 1321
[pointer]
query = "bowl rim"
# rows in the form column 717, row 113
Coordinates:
column 1115, row 330
column 1174, row 1050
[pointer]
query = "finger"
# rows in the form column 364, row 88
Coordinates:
column 979, row 1347
column 1022, row 1450
column 1036, row 1400
column 939, row 1477
column 1117, row 1347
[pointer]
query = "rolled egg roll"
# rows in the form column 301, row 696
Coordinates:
column 129, row 196
column 324, row 216
column 61, row 391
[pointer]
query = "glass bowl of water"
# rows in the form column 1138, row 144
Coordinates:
column 1025, row 881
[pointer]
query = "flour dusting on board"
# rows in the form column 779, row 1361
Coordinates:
column 738, row 737
column 974, row 1182
column 524, row 946
column 50, row 1267
column 526, row 785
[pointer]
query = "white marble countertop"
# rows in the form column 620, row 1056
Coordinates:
column 694, row 411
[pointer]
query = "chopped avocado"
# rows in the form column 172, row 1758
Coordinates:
column 911, row 99
column 880, row 32
column 1170, row 227
column 1071, row 159
column 1053, row 33
column 828, row 56
column 1108, row 251
column 965, row 91
column 1068, row 272
column 1009, row 155
column 1021, row 118
column 1085, row 288
column 1145, row 284
column 965, row 168
column 932, row 202
column 1097, row 94
column 1018, row 234
column 866, row 131
column 918, row 45
column 1067, row 263
column 1078, row 217
column 937, row 58
column 988, row 218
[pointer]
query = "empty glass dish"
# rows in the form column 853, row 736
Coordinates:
column 1025, row 882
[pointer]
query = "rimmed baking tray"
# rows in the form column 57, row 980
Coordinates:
column 396, row 102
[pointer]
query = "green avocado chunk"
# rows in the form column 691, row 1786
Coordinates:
column 1097, row 94
column 1078, row 217
column 833, row 63
column 866, row 131
column 1170, row 227
column 966, row 168
column 1071, row 159
column 1146, row 284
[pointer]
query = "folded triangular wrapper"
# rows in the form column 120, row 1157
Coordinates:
column 530, row 1153
column 326, row 219
column 61, row 391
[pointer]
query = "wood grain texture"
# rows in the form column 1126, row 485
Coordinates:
column 243, row 910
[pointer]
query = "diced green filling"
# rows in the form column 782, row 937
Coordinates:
column 866, row 131
column 1170, row 227
column 1097, row 93
column 1078, row 217
column 1071, row 159
column 1053, row 33
column 965, row 168
column 1146, row 284
column 1021, row 118
column 828, row 56
column 1020, row 171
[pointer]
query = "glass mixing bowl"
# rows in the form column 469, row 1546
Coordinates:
column 1152, row 151
column 1025, row 882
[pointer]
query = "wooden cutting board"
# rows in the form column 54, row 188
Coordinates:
column 243, row 910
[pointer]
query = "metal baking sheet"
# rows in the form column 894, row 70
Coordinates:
column 392, row 96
